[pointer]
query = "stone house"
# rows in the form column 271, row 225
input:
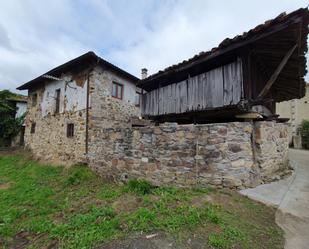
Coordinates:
column 213, row 115
column 69, row 104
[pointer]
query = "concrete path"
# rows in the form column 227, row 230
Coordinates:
column 291, row 196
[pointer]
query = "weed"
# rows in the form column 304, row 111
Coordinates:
column 226, row 239
column 141, row 220
column 140, row 187
column 218, row 241
column 108, row 192
column 78, row 174
column 212, row 215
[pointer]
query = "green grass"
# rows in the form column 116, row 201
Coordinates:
column 73, row 208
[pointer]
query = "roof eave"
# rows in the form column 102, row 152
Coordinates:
column 91, row 56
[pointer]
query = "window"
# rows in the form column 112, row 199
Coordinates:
column 32, row 129
column 34, row 99
column 117, row 91
column 57, row 110
column 137, row 99
column 70, row 130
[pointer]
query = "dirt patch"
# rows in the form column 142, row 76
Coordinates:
column 156, row 241
column 8, row 151
column 16, row 151
column 20, row 240
column 187, row 240
column 5, row 185
column 23, row 240
column 200, row 201
column 127, row 203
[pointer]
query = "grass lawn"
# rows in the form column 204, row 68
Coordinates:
column 54, row 207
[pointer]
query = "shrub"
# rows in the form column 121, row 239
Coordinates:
column 304, row 131
column 141, row 187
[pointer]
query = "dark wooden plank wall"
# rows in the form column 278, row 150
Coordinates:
column 219, row 87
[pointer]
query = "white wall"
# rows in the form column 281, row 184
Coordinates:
column 21, row 108
column 296, row 110
column 129, row 88
column 72, row 96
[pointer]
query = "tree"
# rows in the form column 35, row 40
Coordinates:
column 9, row 126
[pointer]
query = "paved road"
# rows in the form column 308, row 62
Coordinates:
column 291, row 196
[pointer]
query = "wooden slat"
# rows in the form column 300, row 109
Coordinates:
column 232, row 83
column 216, row 88
column 228, row 85
column 161, row 101
column 216, row 84
column 183, row 96
column 203, row 89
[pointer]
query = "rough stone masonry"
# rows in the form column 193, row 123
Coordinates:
column 235, row 155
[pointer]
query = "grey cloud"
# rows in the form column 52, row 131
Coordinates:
column 131, row 34
column 4, row 38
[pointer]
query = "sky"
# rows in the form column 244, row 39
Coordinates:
column 36, row 36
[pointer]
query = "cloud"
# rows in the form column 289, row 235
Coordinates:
column 4, row 38
column 35, row 36
column 40, row 39
column 187, row 29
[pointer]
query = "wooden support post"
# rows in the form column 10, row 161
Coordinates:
column 278, row 70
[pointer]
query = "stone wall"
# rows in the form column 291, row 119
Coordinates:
column 216, row 154
column 271, row 145
column 107, row 111
column 49, row 142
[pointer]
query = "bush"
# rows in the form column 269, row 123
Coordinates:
column 304, row 132
column 9, row 126
column 141, row 187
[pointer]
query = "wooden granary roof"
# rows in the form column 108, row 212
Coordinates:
column 268, row 43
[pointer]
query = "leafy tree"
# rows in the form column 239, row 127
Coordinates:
column 9, row 126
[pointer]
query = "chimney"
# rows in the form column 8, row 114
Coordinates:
column 144, row 73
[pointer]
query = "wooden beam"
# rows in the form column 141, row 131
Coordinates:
column 249, row 115
column 278, row 70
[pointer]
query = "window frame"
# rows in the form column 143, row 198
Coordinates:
column 118, row 85
column 34, row 99
column 57, row 100
column 32, row 127
column 139, row 99
column 70, row 130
